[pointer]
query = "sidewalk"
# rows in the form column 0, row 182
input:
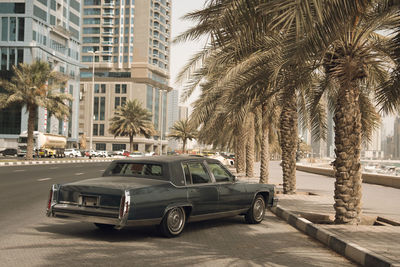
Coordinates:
column 55, row 161
column 368, row 245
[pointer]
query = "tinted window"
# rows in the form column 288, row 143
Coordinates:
column 135, row 169
column 198, row 173
column 220, row 174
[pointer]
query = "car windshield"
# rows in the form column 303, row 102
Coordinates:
column 135, row 169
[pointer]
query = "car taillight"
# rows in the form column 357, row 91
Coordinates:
column 122, row 207
column 50, row 199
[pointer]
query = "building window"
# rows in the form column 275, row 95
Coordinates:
column 116, row 147
column 95, row 129
column 4, row 29
column 21, row 27
column 123, row 89
column 96, row 88
column 100, row 146
column 103, row 88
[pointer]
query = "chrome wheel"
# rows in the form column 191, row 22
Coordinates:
column 176, row 220
column 173, row 222
column 258, row 209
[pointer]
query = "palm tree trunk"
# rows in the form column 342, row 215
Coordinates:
column 183, row 146
column 347, row 165
column 288, row 142
column 250, row 145
column 264, row 168
column 31, row 128
column 131, row 143
column 240, row 156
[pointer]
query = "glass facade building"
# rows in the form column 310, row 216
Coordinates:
column 47, row 30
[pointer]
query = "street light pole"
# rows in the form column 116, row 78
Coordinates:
column 162, row 121
column 91, row 108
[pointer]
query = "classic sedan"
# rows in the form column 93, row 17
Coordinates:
column 167, row 191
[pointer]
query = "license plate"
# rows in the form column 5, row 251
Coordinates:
column 90, row 201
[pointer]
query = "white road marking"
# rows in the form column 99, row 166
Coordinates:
column 19, row 170
column 79, row 173
column 44, row 179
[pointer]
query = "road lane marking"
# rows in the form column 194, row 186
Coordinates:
column 19, row 170
column 79, row 173
column 44, row 179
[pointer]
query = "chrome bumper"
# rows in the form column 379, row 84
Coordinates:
column 117, row 217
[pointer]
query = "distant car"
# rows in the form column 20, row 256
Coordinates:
column 148, row 154
column 9, row 152
column 72, row 152
column 136, row 154
column 161, row 190
column 102, row 153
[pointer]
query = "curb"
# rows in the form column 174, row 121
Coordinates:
column 349, row 250
column 23, row 163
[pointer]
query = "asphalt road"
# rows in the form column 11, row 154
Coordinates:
column 29, row 238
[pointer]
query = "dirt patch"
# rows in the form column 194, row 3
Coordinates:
column 365, row 220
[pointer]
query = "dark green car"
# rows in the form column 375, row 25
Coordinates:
column 168, row 191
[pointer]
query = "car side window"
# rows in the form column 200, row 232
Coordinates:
column 187, row 174
column 220, row 174
column 198, row 173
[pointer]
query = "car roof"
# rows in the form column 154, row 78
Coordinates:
column 165, row 159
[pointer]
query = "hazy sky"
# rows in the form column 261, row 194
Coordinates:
column 181, row 53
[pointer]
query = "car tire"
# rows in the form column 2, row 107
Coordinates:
column 173, row 222
column 257, row 210
column 105, row 227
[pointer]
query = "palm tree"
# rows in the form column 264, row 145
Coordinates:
column 343, row 37
column 35, row 86
column 183, row 130
column 132, row 119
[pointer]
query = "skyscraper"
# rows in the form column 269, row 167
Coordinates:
column 47, row 30
column 127, row 42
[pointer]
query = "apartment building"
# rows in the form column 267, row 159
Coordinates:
column 126, row 45
column 47, row 30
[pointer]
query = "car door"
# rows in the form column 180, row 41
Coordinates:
column 202, row 192
column 232, row 195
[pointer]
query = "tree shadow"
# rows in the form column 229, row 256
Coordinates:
column 224, row 242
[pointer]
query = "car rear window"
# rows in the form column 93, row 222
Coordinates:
column 136, row 169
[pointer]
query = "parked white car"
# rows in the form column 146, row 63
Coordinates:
column 136, row 154
column 102, row 153
column 72, row 152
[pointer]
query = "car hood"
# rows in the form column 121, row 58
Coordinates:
column 116, row 182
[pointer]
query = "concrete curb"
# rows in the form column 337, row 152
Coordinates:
column 24, row 163
column 349, row 250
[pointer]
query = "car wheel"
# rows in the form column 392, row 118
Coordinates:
column 173, row 222
column 105, row 227
column 256, row 212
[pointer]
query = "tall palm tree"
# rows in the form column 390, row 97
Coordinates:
column 34, row 86
column 183, row 130
column 130, row 120
column 343, row 37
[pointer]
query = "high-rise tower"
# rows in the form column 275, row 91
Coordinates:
column 127, row 42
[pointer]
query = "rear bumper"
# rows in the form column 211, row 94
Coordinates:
column 96, row 216
column 115, row 216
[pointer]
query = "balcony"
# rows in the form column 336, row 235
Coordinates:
column 107, row 52
column 107, row 43
column 108, row 4
column 108, row 14
column 108, row 33
column 108, row 23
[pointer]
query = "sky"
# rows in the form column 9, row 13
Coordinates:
column 182, row 52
